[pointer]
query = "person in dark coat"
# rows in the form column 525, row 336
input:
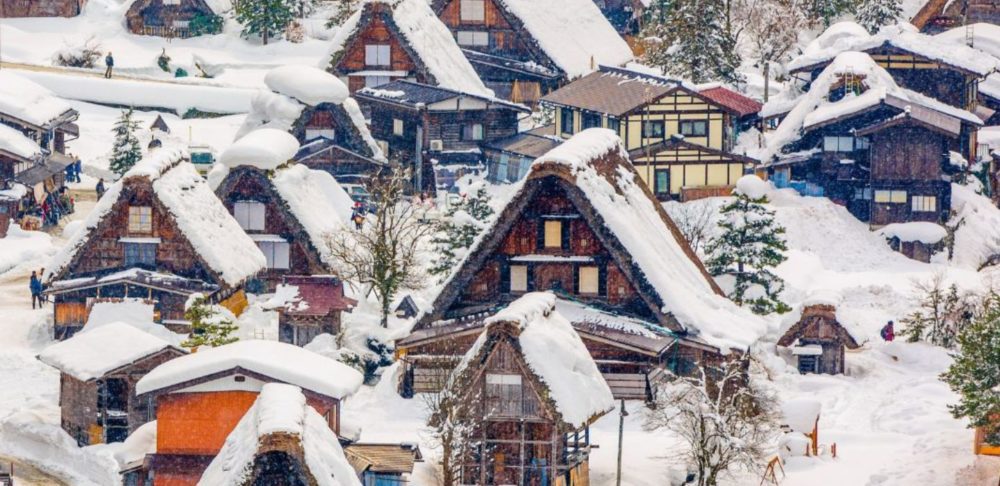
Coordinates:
column 78, row 169
column 100, row 188
column 36, row 290
column 888, row 332
column 109, row 61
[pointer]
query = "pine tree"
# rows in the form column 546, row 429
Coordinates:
column 826, row 11
column 210, row 326
column 126, row 151
column 265, row 17
column 942, row 314
column 344, row 10
column 874, row 14
column 975, row 373
column 687, row 38
column 751, row 244
column 456, row 232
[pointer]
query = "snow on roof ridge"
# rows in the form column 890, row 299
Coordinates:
column 14, row 142
column 279, row 361
column 580, row 150
column 263, row 148
column 93, row 352
column 157, row 162
column 307, row 84
column 318, row 202
column 26, row 100
column 527, row 308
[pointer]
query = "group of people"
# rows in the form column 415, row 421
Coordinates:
column 54, row 206
column 73, row 171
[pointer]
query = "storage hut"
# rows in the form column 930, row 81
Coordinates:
column 316, row 309
column 378, row 464
column 160, row 234
column 98, row 372
column 818, row 340
column 386, row 40
column 527, row 392
column 173, row 18
column 212, row 390
column 280, row 440
column 10, row 9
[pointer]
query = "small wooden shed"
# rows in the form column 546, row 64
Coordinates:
column 818, row 340
column 383, row 464
column 98, row 372
column 316, row 310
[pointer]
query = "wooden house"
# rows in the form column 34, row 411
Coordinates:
column 527, row 392
column 10, row 9
column 383, row 464
column 883, row 151
column 280, row 441
column 649, row 113
column 818, row 340
column 524, row 49
column 315, row 108
column 981, row 36
column 583, row 225
column 212, row 390
column 422, row 124
column 940, row 15
column 315, row 310
column 509, row 159
column 387, row 40
column 159, row 233
column 289, row 210
column 171, row 18
column 98, row 370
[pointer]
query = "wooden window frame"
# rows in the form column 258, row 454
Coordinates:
column 563, row 118
column 921, row 203
column 686, row 128
column 140, row 220
column 653, row 129
column 527, row 279
column 476, row 9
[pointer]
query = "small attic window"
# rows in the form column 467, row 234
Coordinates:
column 239, row 378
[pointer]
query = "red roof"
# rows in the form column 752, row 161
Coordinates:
column 318, row 296
column 733, row 101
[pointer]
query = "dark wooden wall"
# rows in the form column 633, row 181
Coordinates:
column 40, row 8
column 907, row 153
column 154, row 14
column 504, row 39
column 375, row 31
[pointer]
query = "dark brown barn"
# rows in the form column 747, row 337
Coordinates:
column 388, row 40
column 818, row 340
column 10, row 9
column 527, row 419
column 424, row 125
column 171, row 18
column 161, row 234
column 98, row 372
column 315, row 310
column 571, row 229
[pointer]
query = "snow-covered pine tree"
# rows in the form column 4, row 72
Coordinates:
column 209, row 325
column 126, row 150
column 343, row 11
column 874, row 14
column 942, row 313
column 975, row 373
column 677, row 40
column 265, row 17
column 456, row 232
column 824, row 12
column 750, row 245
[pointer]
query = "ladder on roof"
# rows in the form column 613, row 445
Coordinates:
column 970, row 35
column 851, row 84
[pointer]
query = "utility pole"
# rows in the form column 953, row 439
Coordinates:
column 621, row 434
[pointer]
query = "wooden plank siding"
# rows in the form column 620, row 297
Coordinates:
column 375, row 30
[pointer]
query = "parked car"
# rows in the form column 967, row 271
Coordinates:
column 203, row 157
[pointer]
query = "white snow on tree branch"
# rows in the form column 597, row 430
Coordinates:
column 264, row 148
column 92, row 353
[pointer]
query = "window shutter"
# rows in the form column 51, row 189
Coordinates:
column 256, row 216
column 281, row 255
column 504, row 277
column 565, row 235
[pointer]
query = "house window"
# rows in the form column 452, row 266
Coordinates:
column 566, row 120
column 250, row 215
column 925, row 204
column 589, row 278
column 276, row 253
column 473, row 10
column 140, row 219
column 376, row 81
column 662, row 184
column 397, row 127
column 181, row 24
column 861, row 144
column 838, row 144
column 518, row 278
column 171, row 2
column 652, row 129
column 863, row 193
column 614, row 124
column 504, row 394
column 694, row 128
column 377, row 55
column 314, row 133
column 553, row 233
column 893, row 197
column 140, row 254
column 590, row 120
column 473, row 38
column 472, row 131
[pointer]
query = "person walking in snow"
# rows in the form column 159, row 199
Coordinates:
column 36, row 290
column 109, row 61
column 100, row 188
column 359, row 220
column 888, row 332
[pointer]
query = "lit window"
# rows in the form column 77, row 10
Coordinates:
column 926, row 204
column 553, row 234
column 250, row 215
column 589, row 278
column 652, row 129
column 473, row 131
column 397, row 126
column 377, row 55
column 693, row 128
column 140, row 219
column 887, row 196
column 276, row 253
column 473, row 38
column 473, row 10
column 518, row 278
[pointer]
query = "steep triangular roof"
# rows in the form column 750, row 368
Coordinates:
column 594, row 170
column 221, row 246
column 821, row 311
column 427, row 40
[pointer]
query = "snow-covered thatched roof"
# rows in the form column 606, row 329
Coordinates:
column 276, row 360
column 301, row 434
column 27, row 101
column 15, row 143
column 263, row 148
column 848, row 36
column 216, row 237
column 554, row 353
column 94, row 352
column 308, row 84
column 427, row 37
column 573, row 33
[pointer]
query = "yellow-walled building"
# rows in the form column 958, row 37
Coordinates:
column 680, row 137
